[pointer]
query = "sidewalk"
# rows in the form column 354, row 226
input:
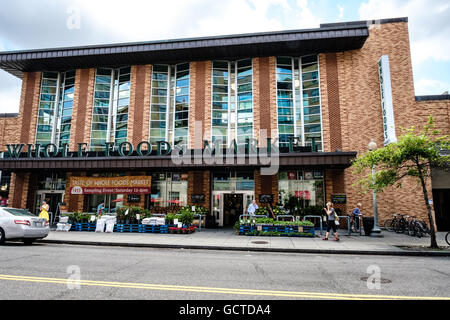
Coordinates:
column 226, row 239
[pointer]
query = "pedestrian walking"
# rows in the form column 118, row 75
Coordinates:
column 356, row 217
column 252, row 208
column 333, row 221
column 44, row 211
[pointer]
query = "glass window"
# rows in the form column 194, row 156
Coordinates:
column 169, row 97
column 168, row 189
column 232, row 82
column 299, row 98
column 301, row 189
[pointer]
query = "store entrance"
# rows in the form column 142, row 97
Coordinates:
column 228, row 206
column 232, row 208
column 53, row 198
column 441, row 199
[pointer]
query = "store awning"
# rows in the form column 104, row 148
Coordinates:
column 333, row 38
column 329, row 160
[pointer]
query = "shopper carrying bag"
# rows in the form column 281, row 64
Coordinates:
column 333, row 221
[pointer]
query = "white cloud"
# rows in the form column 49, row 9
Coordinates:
column 431, row 87
column 428, row 24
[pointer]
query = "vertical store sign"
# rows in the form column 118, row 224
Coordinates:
column 386, row 100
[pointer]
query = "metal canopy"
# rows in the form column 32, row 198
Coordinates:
column 330, row 160
column 294, row 42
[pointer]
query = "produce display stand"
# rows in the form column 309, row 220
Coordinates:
column 277, row 230
column 122, row 228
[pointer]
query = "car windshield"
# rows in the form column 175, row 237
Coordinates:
column 19, row 212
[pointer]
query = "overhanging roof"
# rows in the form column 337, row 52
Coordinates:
column 331, row 160
column 294, row 42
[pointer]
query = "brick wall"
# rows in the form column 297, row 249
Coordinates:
column 9, row 131
column 360, row 117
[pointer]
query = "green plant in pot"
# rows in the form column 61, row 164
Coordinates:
column 186, row 216
column 170, row 218
column 237, row 227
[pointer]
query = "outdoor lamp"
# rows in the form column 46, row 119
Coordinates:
column 376, row 231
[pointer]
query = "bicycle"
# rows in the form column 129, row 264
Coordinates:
column 390, row 223
column 401, row 226
column 414, row 229
column 447, row 238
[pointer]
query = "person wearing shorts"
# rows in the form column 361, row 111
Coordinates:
column 331, row 218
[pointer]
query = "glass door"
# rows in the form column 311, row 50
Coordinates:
column 231, row 204
column 248, row 198
column 217, row 207
column 52, row 198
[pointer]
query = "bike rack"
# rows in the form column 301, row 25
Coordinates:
column 349, row 219
column 200, row 220
column 316, row 217
column 286, row 216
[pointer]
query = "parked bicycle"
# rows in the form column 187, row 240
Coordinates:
column 417, row 228
column 407, row 224
column 389, row 224
column 447, row 238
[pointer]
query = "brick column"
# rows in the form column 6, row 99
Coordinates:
column 83, row 105
column 19, row 190
column 29, row 105
column 139, row 91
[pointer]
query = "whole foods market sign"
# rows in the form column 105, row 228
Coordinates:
column 387, row 105
column 110, row 185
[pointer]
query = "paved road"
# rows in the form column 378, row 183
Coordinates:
column 46, row 271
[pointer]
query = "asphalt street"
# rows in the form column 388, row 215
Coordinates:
column 67, row 272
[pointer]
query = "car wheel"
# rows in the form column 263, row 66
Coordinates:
column 28, row 242
column 2, row 236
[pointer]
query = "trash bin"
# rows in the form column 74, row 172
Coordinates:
column 368, row 224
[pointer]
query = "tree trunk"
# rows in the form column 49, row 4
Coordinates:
column 434, row 244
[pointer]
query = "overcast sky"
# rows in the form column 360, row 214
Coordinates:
column 33, row 24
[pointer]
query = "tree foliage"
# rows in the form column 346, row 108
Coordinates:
column 412, row 156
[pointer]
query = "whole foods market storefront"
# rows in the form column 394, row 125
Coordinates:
column 303, row 181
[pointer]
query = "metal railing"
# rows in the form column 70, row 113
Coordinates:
column 315, row 217
column 200, row 216
column 349, row 220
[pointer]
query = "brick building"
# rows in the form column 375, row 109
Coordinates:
column 129, row 110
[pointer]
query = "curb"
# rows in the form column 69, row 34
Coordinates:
column 220, row 248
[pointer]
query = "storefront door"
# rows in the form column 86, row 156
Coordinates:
column 53, row 198
column 228, row 206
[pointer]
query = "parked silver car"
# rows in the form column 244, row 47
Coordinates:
column 20, row 224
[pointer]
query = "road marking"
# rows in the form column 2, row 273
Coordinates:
column 232, row 291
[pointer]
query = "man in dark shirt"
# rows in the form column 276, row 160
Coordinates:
column 356, row 217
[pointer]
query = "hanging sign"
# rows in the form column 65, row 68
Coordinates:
column 387, row 105
column 112, row 185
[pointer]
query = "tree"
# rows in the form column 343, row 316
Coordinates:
column 413, row 155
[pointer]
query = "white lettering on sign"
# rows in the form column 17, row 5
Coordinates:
column 387, row 105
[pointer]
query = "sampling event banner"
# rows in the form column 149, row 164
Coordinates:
column 114, row 185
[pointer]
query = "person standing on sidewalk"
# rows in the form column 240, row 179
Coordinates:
column 252, row 208
column 44, row 211
column 100, row 209
column 356, row 217
column 332, row 219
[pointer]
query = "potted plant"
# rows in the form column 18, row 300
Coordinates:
column 186, row 216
